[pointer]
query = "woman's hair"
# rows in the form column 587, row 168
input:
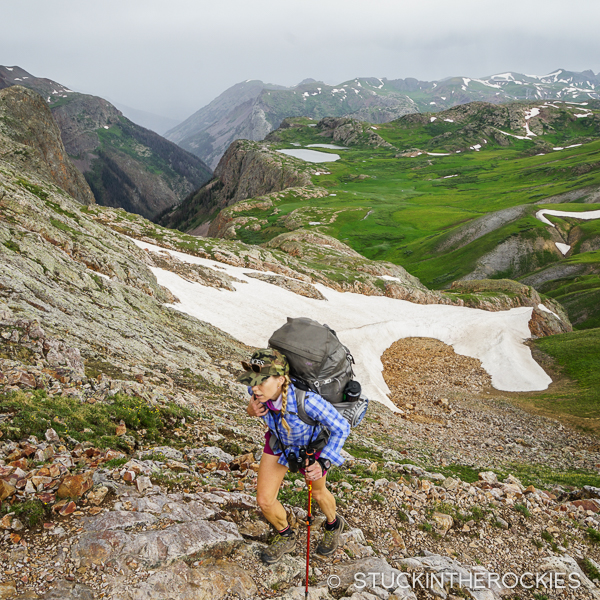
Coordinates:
column 284, row 392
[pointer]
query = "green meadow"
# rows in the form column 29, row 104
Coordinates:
column 406, row 204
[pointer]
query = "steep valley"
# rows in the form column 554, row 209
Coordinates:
column 124, row 164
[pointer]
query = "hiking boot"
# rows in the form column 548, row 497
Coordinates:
column 331, row 539
column 279, row 545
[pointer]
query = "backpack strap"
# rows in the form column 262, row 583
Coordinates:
column 321, row 440
column 300, row 397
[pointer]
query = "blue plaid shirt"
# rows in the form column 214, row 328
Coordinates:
column 301, row 434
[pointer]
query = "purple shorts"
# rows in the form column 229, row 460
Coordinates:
column 267, row 450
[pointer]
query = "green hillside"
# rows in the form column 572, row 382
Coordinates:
column 420, row 204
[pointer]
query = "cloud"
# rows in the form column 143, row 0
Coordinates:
column 173, row 57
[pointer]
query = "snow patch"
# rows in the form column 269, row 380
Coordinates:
column 366, row 324
column 546, row 309
column 100, row 274
column 519, row 137
column 432, row 119
column 449, row 120
column 587, row 215
column 311, row 155
column 564, row 248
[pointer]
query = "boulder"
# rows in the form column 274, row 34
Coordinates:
column 74, row 486
column 155, row 548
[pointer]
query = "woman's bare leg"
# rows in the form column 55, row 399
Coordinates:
column 270, row 477
column 324, row 497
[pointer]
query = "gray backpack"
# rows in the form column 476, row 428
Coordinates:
column 321, row 363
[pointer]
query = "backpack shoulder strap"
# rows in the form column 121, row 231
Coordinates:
column 300, row 398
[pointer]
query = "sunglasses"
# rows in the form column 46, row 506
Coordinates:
column 255, row 367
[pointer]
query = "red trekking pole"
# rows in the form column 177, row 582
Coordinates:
column 310, row 457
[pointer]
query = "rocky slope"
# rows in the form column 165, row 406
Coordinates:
column 246, row 170
column 445, row 487
column 250, row 110
column 25, row 118
column 128, row 463
column 125, row 165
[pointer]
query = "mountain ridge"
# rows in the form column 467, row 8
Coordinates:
column 124, row 164
column 252, row 109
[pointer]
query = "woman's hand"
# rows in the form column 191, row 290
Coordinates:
column 256, row 408
column 313, row 472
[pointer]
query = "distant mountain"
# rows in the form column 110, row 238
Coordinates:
column 124, row 164
column 252, row 109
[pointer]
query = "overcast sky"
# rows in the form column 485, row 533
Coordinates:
column 171, row 57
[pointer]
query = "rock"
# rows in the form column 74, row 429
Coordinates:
column 354, row 535
column 43, row 455
column 488, row 477
column 52, row 437
column 255, row 530
column 154, row 548
column 143, row 483
column 450, row 484
column 512, row 480
column 314, row 593
column 119, row 519
column 443, row 522
column 593, row 505
column 67, row 590
column 8, row 589
column 450, row 572
column 33, row 125
column 210, row 453
column 356, row 574
column 568, row 567
column 96, row 496
column 5, row 522
column 211, row 581
column 280, row 573
column 6, row 490
column 67, row 509
column 165, row 451
column 75, row 486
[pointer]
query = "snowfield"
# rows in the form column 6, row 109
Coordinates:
column 368, row 325
column 585, row 215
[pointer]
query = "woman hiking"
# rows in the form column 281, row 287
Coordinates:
column 274, row 400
